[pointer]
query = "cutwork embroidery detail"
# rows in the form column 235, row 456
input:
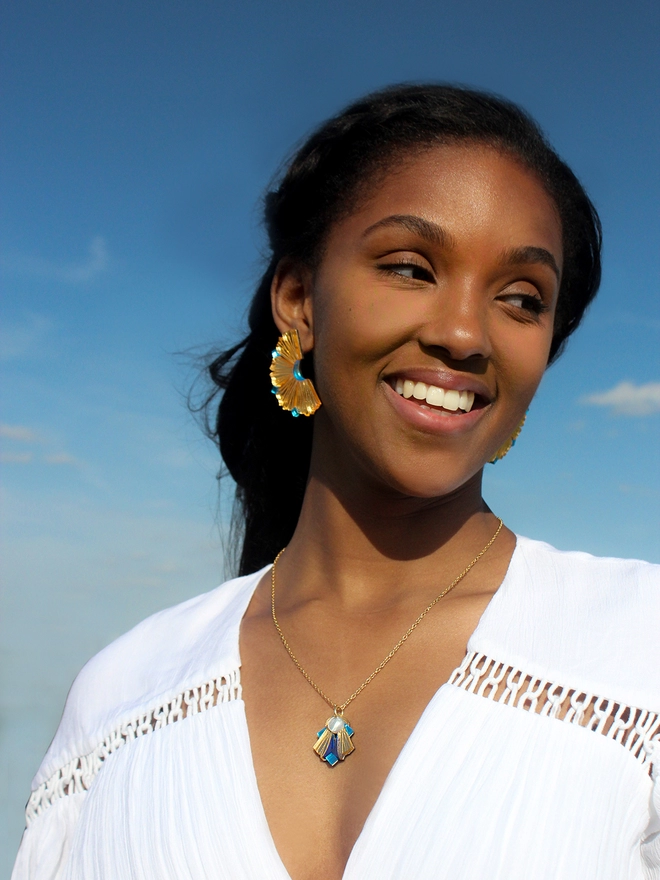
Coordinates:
column 637, row 730
column 78, row 775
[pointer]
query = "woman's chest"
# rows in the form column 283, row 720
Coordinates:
column 480, row 791
column 320, row 775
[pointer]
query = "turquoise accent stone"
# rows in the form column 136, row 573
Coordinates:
column 320, row 732
column 332, row 759
column 273, row 390
column 296, row 371
column 295, row 413
column 275, row 353
column 349, row 730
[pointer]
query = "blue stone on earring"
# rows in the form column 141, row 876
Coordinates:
column 295, row 413
column 296, row 372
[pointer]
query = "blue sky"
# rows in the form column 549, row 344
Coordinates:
column 138, row 140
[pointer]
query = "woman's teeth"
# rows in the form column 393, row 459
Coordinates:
column 434, row 396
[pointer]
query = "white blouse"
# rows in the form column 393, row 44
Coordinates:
column 536, row 760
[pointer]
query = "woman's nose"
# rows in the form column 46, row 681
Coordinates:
column 458, row 324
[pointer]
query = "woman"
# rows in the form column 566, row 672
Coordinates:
column 412, row 691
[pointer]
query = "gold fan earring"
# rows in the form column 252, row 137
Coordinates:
column 293, row 392
column 508, row 444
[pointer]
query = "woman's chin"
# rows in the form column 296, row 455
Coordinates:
column 431, row 477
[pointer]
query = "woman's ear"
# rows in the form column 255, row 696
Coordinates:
column 291, row 301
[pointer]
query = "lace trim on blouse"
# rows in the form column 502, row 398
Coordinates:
column 78, row 775
column 637, row 730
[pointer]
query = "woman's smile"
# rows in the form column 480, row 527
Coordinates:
column 433, row 419
column 447, row 399
column 437, row 402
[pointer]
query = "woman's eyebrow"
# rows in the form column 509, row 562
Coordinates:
column 435, row 234
column 426, row 229
column 531, row 254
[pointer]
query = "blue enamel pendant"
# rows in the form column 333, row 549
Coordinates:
column 334, row 742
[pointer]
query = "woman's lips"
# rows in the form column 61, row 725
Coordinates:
column 449, row 399
column 455, row 411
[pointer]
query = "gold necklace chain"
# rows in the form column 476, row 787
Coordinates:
column 340, row 707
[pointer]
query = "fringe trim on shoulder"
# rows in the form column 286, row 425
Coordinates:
column 79, row 774
column 637, row 730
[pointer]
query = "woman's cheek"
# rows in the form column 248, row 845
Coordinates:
column 520, row 367
column 376, row 322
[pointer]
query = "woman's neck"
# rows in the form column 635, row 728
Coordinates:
column 369, row 546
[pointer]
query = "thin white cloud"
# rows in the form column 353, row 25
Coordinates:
column 20, row 433
column 95, row 264
column 641, row 491
column 86, row 270
column 627, row 399
column 23, row 435
column 60, row 458
column 640, row 321
column 15, row 457
column 57, row 459
column 22, row 338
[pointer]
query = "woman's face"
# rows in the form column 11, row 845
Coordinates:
column 443, row 283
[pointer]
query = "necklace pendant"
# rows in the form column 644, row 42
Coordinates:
column 334, row 742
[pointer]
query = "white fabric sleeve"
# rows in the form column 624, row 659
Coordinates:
column 44, row 849
column 651, row 843
column 134, row 686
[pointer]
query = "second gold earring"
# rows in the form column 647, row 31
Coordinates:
column 509, row 444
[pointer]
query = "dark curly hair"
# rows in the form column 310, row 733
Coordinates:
column 266, row 451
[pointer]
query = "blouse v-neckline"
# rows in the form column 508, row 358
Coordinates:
column 359, row 851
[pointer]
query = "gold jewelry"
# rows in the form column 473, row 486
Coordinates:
column 335, row 740
column 510, row 443
column 293, row 392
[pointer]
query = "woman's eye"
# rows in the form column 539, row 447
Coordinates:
column 527, row 302
column 407, row 270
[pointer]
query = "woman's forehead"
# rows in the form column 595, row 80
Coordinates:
column 454, row 189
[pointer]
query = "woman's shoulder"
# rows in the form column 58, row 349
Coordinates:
column 581, row 620
column 178, row 649
column 542, row 551
column 573, row 580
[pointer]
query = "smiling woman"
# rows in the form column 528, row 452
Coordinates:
column 431, row 255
